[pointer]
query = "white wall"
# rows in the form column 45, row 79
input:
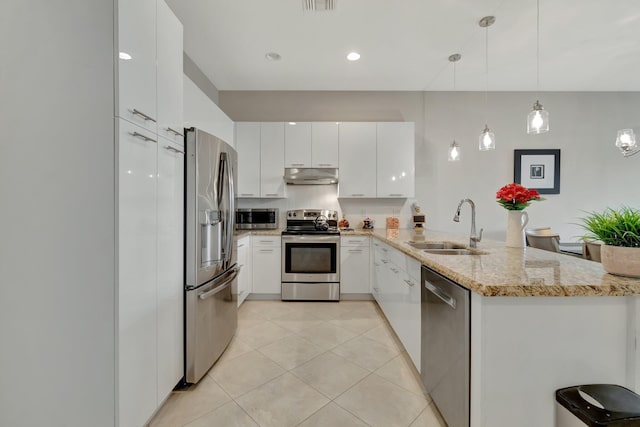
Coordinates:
column 57, row 216
column 583, row 125
column 201, row 112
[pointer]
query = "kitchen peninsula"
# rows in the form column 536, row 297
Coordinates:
column 539, row 321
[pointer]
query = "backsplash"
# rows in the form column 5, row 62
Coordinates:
column 326, row 197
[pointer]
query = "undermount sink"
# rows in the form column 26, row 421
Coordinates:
column 450, row 251
column 436, row 245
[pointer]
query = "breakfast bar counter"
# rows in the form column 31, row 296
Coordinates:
column 501, row 271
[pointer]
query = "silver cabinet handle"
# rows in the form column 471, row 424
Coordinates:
column 324, row 164
column 396, row 194
column 175, row 150
column 297, row 164
column 266, row 241
column 175, row 132
column 394, row 270
column 241, row 246
column 141, row 136
column 384, row 261
column 409, row 282
column 355, row 251
column 451, row 302
column 247, row 194
column 143, row 115
column 271, row 194
column 265, row 250
column 357, row 194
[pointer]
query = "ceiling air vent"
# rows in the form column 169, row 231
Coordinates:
column 318, row 5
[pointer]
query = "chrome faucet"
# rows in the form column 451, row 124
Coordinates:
column 473, row 238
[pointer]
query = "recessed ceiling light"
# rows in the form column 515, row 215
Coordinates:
column 125, row 56
column 353, row 56
column 292, row 123
column 272, row 56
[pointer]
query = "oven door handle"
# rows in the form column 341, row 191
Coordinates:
column 311, row 239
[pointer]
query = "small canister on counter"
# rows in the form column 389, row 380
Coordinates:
column 393, row 223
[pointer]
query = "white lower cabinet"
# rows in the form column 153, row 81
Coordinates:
column 396, row 288
column 170, row 266
column 355, row 265
column 150, row 271
column 137, row 270
column 245, row 276
column 266, row 252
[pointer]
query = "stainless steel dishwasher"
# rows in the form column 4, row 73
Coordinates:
column 445, row 346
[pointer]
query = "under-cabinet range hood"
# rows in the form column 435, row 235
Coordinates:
column 311, row 176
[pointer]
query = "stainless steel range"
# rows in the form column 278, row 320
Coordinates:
column 311, row 256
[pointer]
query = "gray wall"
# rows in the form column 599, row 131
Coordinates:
column 57, row 350
column 196, row 75
column 583, row 125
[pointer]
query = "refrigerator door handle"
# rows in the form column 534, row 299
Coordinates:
column 227, row 175
column 219, row 288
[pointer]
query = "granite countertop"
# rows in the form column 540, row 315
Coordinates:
column 503, row 271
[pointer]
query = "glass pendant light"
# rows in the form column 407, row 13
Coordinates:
column 454, row 152
column 626, row 142
column 538, row 118
column 454, row 148
column 487, row 140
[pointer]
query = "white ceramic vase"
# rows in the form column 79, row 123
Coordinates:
column 516, row 221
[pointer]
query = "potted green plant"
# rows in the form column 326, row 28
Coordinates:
column 619, row 232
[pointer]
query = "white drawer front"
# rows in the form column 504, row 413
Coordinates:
column 358, row 241
column 266, row 241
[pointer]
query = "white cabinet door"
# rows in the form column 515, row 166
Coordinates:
column 324, row 144
column 170, row 265
column 248, row 148
column 137, row 332
column 395, row 159
column 266, row 257
column 137, row 62
column 357, row 160
column 245, row 276
column 355, row 265
column 170, row 72
column 272, row 160
column 354, row 270
column 297, row 145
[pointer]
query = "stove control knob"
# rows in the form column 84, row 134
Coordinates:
column 294, row 214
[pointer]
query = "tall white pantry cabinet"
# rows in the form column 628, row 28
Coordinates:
column 150, row 219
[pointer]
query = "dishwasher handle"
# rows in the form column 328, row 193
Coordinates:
column 447, row 299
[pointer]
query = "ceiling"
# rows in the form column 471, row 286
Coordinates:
column 585, row 45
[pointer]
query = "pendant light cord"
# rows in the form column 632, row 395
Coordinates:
column 486, row 73
column 537, row 48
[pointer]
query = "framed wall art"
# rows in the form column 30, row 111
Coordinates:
column 537, row 169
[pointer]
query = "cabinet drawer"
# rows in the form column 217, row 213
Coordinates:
column 272, row 241
column 354, row 241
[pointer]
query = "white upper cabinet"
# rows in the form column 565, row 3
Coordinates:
column 137, row 62
column 324, row 144
column 297, row 144
column 248, row 148
column 357, row 156
column 170, row 72
column 395, row 159
column 272, row 160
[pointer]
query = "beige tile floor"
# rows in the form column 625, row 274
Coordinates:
column 306, row 364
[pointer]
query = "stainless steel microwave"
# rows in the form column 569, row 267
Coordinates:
column 257, row 219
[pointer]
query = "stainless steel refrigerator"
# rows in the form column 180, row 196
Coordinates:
column 211, row 313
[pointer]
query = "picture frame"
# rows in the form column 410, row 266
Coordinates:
column 538, row 170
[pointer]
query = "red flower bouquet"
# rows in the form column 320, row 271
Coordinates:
column 515, row 197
